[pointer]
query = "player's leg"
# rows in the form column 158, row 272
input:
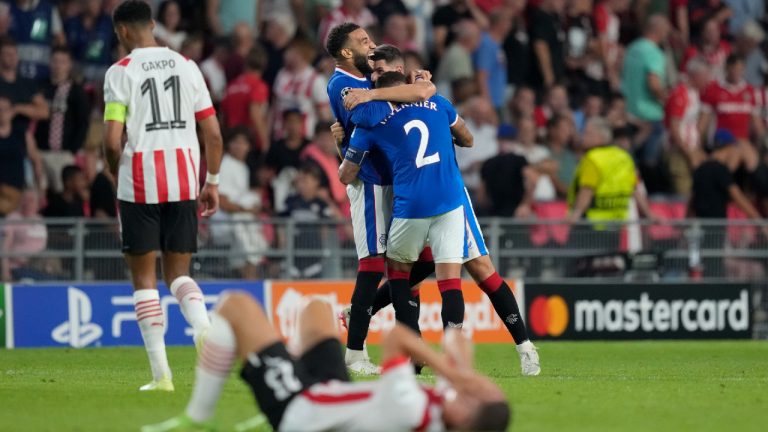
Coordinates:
column 407, row 238
column 178, row 243
column 140, row 229
column 368, row 204
column 480, row 266
column 448, row 241
column 422, row 269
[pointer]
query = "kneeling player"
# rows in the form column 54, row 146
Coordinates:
column 312, row 392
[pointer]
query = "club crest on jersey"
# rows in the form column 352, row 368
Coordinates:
column 345, row 92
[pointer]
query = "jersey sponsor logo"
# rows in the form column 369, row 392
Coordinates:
column 78, row 331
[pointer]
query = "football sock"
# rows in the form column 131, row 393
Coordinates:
column 151, row 321
column 191, row 301
column 453, row 302
column 369, row 274
column 506, row 307
column 420, row 271
column 406, row 310
column 213, row 365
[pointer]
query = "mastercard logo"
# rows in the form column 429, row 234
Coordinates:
column 548, row 316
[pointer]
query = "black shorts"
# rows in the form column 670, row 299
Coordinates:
column 276, row 377
column 170, row 227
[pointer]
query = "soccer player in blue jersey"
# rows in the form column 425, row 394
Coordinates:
column 478, row 262
column 371, row 194
column 428, row 191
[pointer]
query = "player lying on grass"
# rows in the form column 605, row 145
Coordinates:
column 311, row 391
column 478, row 263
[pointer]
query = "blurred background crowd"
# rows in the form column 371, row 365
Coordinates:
column 680, row 85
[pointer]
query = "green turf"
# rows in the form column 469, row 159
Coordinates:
column 614, row 386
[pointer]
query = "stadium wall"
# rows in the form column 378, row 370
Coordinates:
column 98, row 314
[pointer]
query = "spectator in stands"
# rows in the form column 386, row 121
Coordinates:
column 246, row 99
column 103, row 197
column 74, row 199
column 537, row 156
column 644, row 87
column 167, row 25
column 36, row 26
column 16, row 143
column 311, row 204
column 604, row 71
column 556, row 102
column 483, row 123
column 579, row 46
column 747, row 45
column 711, row 48
column 348, row 11
column 744, row 11
column 91, row 39
column 734, row 103
column 213, row 68
column 323, row 152
column 383, row 9
column 462, row 90
column 507, row 185
column 286, row 152
column 591, row 107
column 490, row 61
column 239, row 208
column 517, row 46
column 562, row 162
column 27, row 237
column 682, row 118
column 548, row 39
column 456, row 63
column 701, row 11
column 192, row 48
column 27, row 100
column 279, row 31
column 242, row 42
column 446, row 16
column 522, row 104
column 299, row 86
column 713, row 188
column 398, row 33
column 224, row 15
column 63, row 135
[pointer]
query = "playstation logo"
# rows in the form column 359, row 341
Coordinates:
column 78, row 331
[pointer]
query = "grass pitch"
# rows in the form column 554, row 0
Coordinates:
column 602, row 386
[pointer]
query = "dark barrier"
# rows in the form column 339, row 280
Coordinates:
column 638, row 311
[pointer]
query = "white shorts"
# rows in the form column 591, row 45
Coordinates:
column 371, row 208
column 475, row 241
column 444, row 233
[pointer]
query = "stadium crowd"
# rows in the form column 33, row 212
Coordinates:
column 680, row 85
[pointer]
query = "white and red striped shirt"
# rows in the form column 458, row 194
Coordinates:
column 165, row 96
column 684, row 104
column 305, row 91
column 395, row 402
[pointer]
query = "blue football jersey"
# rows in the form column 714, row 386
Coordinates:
column 375, row 169
column 416, row 140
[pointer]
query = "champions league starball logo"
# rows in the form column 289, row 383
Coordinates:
column 345, row 92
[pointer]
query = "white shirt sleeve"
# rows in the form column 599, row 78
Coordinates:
column 117, row 85
column 203, row 101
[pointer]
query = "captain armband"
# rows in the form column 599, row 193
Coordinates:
column 355, row 156
column 115, row 111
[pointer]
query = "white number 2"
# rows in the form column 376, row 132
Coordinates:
column 421, row 160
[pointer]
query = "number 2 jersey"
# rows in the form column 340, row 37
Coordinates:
column 159, row 95
column 396, row 402
column 416, row 140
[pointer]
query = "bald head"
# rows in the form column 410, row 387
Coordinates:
column 468, row 33
column 657, row 28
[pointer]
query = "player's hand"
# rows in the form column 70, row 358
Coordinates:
column 356, row 97
column 209, row 199
column 337, row 130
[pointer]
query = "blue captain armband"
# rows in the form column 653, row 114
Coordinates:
column 355, row 156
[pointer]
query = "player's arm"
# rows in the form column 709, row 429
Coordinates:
column 462, row 134
column 350, row 166
column 113, row 141
column 419, row 91
column 214, row 149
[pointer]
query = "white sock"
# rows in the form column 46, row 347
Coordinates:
column 214, row 362
column 190, row 299
column 525, row 346
column 352, row 356
column 151, row 321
